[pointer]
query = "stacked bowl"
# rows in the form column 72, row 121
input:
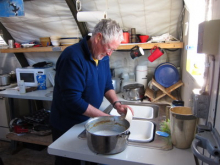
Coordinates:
column 55, row 40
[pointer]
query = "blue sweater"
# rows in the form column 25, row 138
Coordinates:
column 78, row 83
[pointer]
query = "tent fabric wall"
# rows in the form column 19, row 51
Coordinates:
column 42, row 19
column 53, row 17
column 147, row 16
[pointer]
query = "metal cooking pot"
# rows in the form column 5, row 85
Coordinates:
column 133, row 92
column 4, row 79
column 107, row 134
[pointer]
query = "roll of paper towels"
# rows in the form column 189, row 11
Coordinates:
column 91, row 16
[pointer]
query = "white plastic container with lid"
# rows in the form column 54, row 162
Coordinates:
column 141, row 75
column 21, row 86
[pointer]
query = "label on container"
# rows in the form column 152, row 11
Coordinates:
column 41, row 80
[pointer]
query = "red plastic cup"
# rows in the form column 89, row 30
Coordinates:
column 143, row 38
column 156, row 52
column 17, row 45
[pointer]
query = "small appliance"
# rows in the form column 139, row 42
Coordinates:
column 29, row 75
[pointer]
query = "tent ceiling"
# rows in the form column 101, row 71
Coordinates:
column 53, row 17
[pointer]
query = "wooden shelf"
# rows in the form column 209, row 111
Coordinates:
column 31, row 138
column 175, row 45
column 33, row 49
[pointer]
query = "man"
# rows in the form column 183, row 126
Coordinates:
column 83, row 78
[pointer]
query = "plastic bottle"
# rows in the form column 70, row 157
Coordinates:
column 21, row 86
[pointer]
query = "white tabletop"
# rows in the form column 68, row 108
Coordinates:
column 34, row 95
column 69, row 145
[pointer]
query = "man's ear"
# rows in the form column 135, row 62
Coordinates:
column 98, row 37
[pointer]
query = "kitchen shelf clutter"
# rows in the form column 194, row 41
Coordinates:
column 33, row 49
column 175, row 45
column 156, row 95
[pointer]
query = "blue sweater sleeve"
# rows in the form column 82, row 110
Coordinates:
column 109, row 85
column 72, row 82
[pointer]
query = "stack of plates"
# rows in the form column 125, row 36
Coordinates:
column 69, row 41
column 166, row 74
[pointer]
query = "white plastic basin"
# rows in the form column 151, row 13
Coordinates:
column 141, row 131
column 140, row 112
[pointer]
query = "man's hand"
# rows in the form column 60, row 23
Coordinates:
column 122, row 109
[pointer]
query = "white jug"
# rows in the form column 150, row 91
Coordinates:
column 141, row 75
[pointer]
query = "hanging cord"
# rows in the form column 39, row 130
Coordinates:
column 78, row 5
column 180, row 24
column 106, row 7
column 167, row 58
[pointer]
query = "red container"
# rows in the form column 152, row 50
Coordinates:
column 143, row 38
column 155, row 54
column 126, row 38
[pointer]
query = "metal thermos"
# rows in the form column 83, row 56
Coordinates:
column 11, row 43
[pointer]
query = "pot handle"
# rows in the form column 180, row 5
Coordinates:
column 126, row 133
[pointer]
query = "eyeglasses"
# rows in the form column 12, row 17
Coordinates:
column 110, row 50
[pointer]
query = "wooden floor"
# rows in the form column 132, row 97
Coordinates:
column 25, row 156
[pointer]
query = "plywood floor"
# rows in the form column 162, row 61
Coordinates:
column 25, row 156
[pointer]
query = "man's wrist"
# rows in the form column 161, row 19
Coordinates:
column 115, row 103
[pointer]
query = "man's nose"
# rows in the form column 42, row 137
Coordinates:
column 109, row 53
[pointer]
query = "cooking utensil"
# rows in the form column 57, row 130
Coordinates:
column 4, row 79
column 166, row 74
column 133, row 92
column 107, row 134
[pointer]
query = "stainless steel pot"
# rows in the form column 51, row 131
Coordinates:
column 133, row 92
column 107, row 134
column 4, row 79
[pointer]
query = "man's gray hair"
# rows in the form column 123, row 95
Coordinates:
column 110, row 30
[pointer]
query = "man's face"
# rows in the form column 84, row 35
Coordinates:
column 107, row 49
